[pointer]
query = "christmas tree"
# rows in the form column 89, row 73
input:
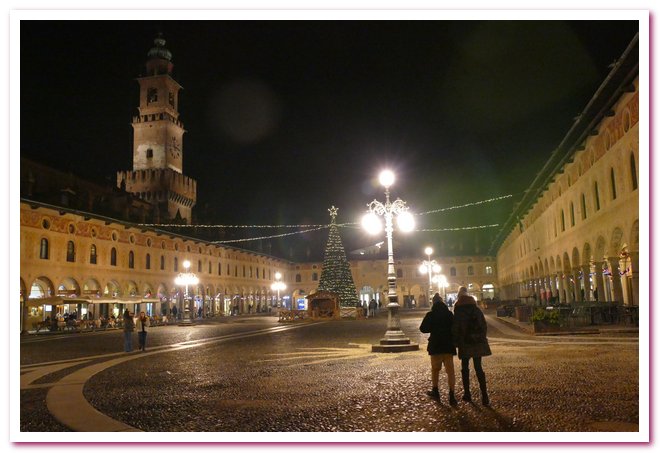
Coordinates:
column 336, row 275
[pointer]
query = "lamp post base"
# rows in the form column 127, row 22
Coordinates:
column 395, row 341
column 185, row 320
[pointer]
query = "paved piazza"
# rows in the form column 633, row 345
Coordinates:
column 255, row 374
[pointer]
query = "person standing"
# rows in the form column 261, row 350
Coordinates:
column 438, row 322
column 129, row 327
column 141, row 325
column 469, row 332
column 372, row 307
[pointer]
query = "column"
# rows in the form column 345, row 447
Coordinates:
column 634, row 265
column 598, row 281
column 560, row 281
column 568, row 288
column 616, row 279
column 586, row 270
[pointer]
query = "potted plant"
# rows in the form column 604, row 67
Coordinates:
column 545, row 320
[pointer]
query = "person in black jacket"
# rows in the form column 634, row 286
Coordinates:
column 438, row 323
column 469, row 332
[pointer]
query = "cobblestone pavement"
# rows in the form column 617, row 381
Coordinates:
column 324, row 377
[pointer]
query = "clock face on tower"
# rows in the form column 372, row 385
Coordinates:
column 175, row 148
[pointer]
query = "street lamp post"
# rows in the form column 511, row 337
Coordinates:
column 430, row 267
column 184, row 279
column 441, row 280
column 395, row 340
column 278, row 286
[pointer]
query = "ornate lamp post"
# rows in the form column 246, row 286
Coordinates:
column 395, row 340
column 442, row 283
column 184, row 279
column 278, row 286
column 429, row 267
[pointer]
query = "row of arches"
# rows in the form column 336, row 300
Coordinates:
column 601, row 270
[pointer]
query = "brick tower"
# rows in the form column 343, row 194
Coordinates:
column 157, row 174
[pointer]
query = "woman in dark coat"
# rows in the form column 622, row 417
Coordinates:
column 441, row 348
column 469, row 332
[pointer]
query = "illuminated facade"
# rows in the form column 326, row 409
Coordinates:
column 575, row 234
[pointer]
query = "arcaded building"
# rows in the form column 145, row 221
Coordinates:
column 575, row 234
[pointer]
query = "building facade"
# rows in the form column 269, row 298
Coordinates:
column 575, row 235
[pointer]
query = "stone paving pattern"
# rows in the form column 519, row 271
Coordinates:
column 324, row 378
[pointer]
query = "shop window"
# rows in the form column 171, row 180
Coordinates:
column 70, row 252
column 43, row 249
column 131, row 260
column 92, row 254
column 113, row 256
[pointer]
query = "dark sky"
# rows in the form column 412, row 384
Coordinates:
column 286, row 118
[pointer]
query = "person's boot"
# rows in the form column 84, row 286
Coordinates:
column 452, row 398
column 434, row 393
column 484, row 391
column 465, row 375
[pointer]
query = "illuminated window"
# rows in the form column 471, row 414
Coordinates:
column 43, row 249
column 489, row 270
column 92, row 254
column 70, row 252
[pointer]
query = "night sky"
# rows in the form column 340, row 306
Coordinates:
column 285, row 119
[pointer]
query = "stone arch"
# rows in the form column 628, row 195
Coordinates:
column 162, row 290
column 91, row 287
column 575, row 259
column 131, row 288
column 112, row 289
column 615, row 242
column 566, row 263
column 68, row 286
column 147, row 290
column 41, row 287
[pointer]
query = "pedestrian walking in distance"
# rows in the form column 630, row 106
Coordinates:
column 438, row 322
column 141, row 325
column 129, row 327
column 469, row 332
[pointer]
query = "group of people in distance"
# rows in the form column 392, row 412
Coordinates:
column 141, row 323
column 464, row 329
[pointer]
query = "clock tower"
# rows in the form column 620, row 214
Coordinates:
column 157, row 174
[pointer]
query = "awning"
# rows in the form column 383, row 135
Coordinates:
column 56, row 300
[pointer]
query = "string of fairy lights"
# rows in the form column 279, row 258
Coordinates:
column 316, row 227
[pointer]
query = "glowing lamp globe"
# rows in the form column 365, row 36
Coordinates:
column 278, row 275
column 406, row 222
column 371, row 223
column 428, row 251
column 386, row 178
column 422, row 269
column 437, row 268
column 186, row 264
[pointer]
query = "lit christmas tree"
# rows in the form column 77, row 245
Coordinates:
column 336, row 275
